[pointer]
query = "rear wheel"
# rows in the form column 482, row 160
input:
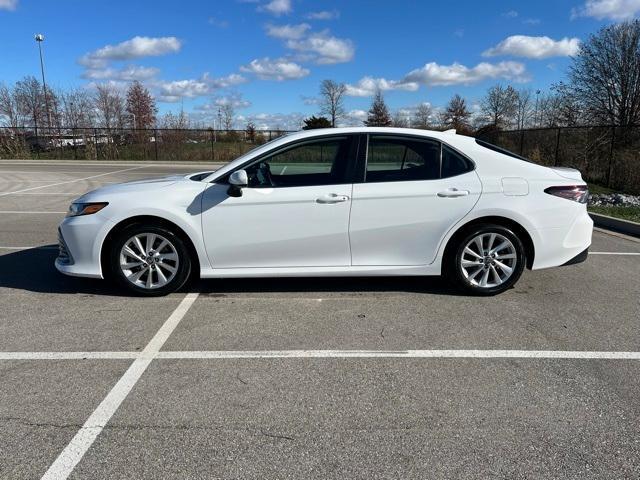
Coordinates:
column 149, row 260
column 488, row 260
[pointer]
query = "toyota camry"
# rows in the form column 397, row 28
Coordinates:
column 336, row 202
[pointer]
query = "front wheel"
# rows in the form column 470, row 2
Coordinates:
column 149, row 260
column 488, row 260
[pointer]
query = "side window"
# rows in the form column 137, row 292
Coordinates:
column 453, row 163
column 393, row 159
column 318, row 162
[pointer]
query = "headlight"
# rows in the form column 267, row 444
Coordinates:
column 77, row 209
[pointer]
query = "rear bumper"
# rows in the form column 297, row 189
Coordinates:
column 563, row 245
column 581, row 257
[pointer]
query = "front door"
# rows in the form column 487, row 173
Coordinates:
column 293, row 213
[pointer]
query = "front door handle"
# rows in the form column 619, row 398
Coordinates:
column 453, row 192
column 332, row 198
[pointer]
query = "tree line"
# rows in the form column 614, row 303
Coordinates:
column 602, row 88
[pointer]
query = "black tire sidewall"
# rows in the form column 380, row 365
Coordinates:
column 184, row 264
column 455, row 271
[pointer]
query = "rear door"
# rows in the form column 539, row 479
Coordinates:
column 414, row 190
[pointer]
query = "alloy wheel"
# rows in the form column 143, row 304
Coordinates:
column 149, row 260
column 488, row 260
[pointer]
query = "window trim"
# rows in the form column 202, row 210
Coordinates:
column 403, row 136
column 350, row 171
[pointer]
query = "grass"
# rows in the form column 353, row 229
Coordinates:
column 624, row 213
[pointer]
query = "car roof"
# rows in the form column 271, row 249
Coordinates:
column 448, row 136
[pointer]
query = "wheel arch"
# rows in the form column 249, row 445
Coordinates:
column 509, row 223
column 156, row 221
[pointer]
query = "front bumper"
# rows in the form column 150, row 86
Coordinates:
column 80, row 239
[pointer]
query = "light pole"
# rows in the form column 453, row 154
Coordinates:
column 39, row 39
column 535, row 113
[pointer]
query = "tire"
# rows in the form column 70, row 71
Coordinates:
column 165, row 268
column 489, row 270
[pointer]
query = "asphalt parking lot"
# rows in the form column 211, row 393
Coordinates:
column 307, row 378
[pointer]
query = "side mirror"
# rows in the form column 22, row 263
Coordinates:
column 237, row 180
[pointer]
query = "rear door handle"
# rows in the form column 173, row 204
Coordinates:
column 332, row 198
column 453, row 192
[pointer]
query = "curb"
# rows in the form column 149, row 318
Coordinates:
column 616, row 224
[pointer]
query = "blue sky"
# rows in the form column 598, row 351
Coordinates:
column 269, row 56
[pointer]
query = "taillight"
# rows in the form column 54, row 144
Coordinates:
column 577, row 193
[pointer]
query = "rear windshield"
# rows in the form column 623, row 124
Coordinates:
column 501, row 150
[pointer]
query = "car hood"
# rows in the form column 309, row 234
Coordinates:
column 136, row 185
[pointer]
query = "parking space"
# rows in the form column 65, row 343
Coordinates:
column 307, row 378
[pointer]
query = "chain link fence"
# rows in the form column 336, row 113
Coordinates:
column 206, row 145
column 606, row 155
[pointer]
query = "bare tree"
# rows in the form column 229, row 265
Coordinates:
column 332, row 100
column 228, row 113
column 77, row 108
column 456, row 115
column 141, row 107
column 500, row 105
column 30, row 101
column 110, row 106
column 378, row 113
column 605, row 75
column 401, row 120
column 422, row 116
column 524, row 109
column 10, row 112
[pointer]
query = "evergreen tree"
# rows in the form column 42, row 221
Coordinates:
column 141, row 107
column 378, row 113
column 316, row 122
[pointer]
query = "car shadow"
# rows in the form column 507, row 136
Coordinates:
column 33, row 270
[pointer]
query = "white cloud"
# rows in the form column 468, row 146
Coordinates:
column 137, row 47
column 176, row 90
column 277, row 7
column 324, row 48
column 273, row 121
column 8, row 4
column 128, row 73
column 534, row 47
column 323, row 15
column 367, row 86
column 234, row 99
column 510, row 14
column 609, row 9
column 531, row 21
column 278, row 69
column 288, row 32
column 433, row 74
column 353, row 118
column 224, row 82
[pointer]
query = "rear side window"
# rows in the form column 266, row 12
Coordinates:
column 501, row 150
column 402, row 159
column 453, row 163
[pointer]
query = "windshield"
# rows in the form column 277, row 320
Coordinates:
column 501, row 150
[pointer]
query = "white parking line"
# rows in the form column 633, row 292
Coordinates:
column 614, row 253
column 401, row 354
column 25, row 211
column 80, row 443
column 265, row 354
column 69, row 355
column 71, row 181
column 43, row 247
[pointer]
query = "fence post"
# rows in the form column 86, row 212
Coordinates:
column 211, row 143
column 75, row 147
column 611, row 149
column 95, row 142
column 155, row 144
column 555, row 162
column 521, row 141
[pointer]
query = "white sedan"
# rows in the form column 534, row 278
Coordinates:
column 336, row 202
